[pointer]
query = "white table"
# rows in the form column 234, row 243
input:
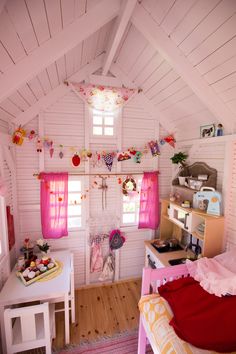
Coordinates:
column 15, row 292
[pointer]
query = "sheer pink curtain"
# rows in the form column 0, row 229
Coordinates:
column 54, row 204
column 149, row 201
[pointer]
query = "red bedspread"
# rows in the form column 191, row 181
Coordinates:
column 202, row 319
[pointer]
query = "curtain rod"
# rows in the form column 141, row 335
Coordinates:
column 103, row 174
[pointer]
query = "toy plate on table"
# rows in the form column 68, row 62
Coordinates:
column 37, row 270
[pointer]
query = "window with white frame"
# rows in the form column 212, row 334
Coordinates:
column 130, row 206
column 103, row 123
column 75, row 204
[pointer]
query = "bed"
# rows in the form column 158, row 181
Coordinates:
column 155, row 314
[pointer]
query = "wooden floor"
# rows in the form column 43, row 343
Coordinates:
column 102, row 311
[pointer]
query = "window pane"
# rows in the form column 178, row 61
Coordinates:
column 74, row 198
column 74, row 186
column 97, row 120
column 74, row 222
column 109, row 120
column 97, row 130
column 128, row 218
column 74, row 210
column 108, row 131
column 129, row 207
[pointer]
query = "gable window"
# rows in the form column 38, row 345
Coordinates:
column 103, row 123
column 130, row 205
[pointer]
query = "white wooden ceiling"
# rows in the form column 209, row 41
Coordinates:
column 202, row 31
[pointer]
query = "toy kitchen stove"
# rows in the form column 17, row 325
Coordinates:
column 165, row 253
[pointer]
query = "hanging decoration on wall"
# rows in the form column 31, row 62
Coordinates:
column 75, row 160
column 170, row 140
column 39, row 145
column 31, row 135
column 108, row 268
column 18, row 136
column 108, row 159
column 122, row 156
column 61, row 152
column 103, row 98
column 104, row 187
column 129, row 185
column 137, row 156
column 51, row 149
column 116, row 240
column 154, row 147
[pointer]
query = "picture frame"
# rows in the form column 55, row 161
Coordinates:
column 207, row 131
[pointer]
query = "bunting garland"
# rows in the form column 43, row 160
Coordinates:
column 98, row 158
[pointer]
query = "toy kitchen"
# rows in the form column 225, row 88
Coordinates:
column 185, row 233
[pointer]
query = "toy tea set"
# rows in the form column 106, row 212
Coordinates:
column 30, row 267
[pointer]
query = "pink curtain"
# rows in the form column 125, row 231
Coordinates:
column 149, row 202
column 54, row 204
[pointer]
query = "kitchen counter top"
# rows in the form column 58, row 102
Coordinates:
column 166, row 256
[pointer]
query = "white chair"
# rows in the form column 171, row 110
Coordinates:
column 71, row 294
column 29, row 327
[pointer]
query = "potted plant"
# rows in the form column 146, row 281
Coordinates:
column 179, row 158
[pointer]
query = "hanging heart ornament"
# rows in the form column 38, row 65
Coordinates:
column 75, row 160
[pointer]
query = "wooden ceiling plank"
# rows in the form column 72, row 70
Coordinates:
column 118, row 32
column 27, row 93
column 61, row 68
column 19, row 101
column 141, row 61
column 44, row 81
column 52, row 74
column 39, row 20
column 36, row 88
column 159, row 39
column 220, row 14
column 80, row 7
column 5, row 59
column 19, row 15
column 53, row 10
column 67, row 9
column 56, row 93
column 9, row 38
column 2, row 4
column 10, row 107
column 153, row 110
column 57, row 46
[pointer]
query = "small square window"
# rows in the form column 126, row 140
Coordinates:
column 97, row 130
column 103, row 123
column 97, row 120
column 108, row 131
column 109, row 120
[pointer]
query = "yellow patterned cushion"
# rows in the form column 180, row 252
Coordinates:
column 157, row 315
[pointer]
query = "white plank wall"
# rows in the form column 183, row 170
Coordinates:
column 64, row 123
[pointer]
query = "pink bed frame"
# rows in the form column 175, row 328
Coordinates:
column 154, row 278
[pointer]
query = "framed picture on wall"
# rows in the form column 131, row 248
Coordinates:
column 207, row 131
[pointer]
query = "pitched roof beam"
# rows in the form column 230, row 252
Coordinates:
column 57, row 93
column 58, row 45
column 117, row 33
column 168, row 49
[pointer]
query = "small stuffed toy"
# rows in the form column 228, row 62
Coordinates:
column 18, row 136
column 116, row 240
column 137, row 157
column 39, row 145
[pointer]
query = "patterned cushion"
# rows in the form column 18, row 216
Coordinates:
column 157, row 314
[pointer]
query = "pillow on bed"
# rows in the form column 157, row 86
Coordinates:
column 200, row 318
